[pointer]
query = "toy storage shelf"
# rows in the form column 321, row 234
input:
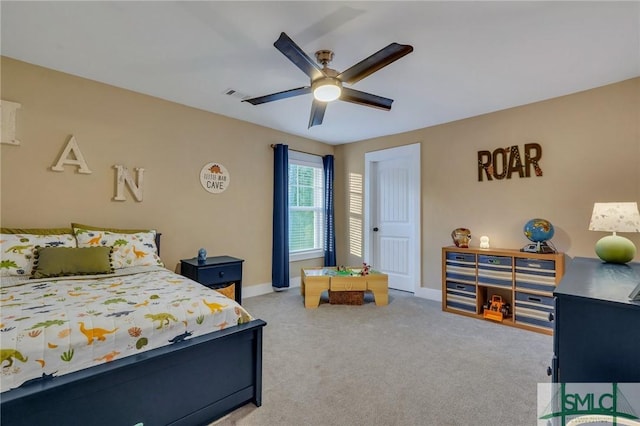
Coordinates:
column 526, row 281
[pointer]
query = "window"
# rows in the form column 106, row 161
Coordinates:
column 306, row 206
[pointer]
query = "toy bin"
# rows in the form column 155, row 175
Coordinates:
column 535, row 274
column 534, row 309
column 495, row 271
column 461, row 296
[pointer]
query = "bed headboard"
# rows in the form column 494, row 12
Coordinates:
column 158, row 234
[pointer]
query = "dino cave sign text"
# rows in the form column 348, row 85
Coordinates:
column 214, row 177
column 502, row 163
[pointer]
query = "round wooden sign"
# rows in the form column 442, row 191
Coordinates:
column 214, row 177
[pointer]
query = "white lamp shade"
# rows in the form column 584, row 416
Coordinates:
column 615, row 217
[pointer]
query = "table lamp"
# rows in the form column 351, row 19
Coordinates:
column 615, row 217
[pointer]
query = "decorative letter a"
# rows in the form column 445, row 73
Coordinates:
column 124, row 177
column 71, row 148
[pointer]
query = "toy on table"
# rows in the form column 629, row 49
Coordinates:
column 365, row 269
column 343, row 270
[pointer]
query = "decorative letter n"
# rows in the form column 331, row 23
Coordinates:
column 124, row 177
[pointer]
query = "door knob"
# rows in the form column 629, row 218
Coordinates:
column 375, row 229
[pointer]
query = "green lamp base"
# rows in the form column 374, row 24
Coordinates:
column 615, row 249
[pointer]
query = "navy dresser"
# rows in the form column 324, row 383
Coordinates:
column 217, row 272
column 597, row 327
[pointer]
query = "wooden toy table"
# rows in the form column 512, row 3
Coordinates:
column 316, row 280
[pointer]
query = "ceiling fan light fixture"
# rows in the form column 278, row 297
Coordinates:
column 326, row 89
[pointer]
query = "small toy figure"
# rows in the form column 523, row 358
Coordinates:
column 365, row 269
column 202, row 255
column 484, row 242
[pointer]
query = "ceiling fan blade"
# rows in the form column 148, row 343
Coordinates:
column 280, row 95
column 364, row 98
column 373, row 63
column 296, row 55
column 317, row 113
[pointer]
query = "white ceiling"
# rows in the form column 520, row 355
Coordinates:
column 469, row 58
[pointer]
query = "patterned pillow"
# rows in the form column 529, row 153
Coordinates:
column 129, row 249
column 17, row 248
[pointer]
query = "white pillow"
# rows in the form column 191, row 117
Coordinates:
column 136, row 249
column 17, row 250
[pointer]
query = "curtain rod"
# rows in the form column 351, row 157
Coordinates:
column 303, row 152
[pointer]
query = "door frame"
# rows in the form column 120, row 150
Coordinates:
column 412, row 152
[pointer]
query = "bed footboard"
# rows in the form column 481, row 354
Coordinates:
column 188, row 383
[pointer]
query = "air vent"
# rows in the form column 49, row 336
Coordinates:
column 236, row 94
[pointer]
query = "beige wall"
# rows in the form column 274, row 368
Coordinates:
column 590, row 141
column 591, row 152
column 171, row 142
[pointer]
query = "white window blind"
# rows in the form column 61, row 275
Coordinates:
column 306, row 200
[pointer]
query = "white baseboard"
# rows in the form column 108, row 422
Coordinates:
column 266, row 288
column 429, row 293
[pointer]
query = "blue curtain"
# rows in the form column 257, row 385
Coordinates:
column 329, row 228
column 280, row 249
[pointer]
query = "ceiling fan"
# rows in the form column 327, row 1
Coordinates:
column 327, row 84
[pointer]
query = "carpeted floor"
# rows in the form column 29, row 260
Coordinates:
column 407, row 363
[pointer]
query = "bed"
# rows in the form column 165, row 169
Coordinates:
column 134, row 345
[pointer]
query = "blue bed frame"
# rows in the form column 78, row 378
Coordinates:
column 192, row 382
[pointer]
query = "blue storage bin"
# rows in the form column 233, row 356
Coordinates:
column 455, row 257
column 534, row 309
column 461, row 267
column 465, row 288
column 535, row 264
column 495, row 271
column 535, row 274
column 461, row 296
column 486, row 261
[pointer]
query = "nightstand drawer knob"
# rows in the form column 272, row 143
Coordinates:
column 221, row 274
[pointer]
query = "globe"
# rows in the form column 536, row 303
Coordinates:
column 538, row 230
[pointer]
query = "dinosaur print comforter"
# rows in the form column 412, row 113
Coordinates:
column 51, row 327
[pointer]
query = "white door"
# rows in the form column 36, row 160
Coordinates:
column 392, row 195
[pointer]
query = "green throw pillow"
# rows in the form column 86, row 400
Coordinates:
column 65, row 261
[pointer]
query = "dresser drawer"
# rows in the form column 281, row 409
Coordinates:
column 210, row 275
